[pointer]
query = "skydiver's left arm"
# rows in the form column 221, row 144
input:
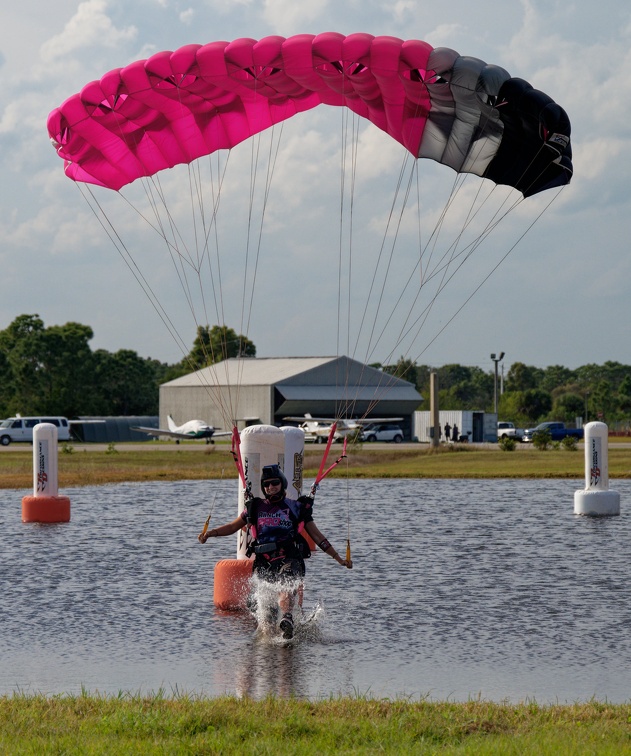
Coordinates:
column 312, row 529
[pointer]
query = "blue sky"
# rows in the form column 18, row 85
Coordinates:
column 561, row 295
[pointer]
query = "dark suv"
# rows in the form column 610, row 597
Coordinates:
column 382, row 432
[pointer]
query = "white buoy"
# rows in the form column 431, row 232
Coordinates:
column 261, row 445
column 294, row 459
column 596, row 500
column 45, row 505
column 294, row 466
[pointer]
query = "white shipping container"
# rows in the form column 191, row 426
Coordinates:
column 474, row 426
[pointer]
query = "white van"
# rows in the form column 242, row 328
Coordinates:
column 21, row 428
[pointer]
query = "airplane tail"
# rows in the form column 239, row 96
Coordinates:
column 171, row 422
column 311, row 425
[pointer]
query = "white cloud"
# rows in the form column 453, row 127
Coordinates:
column 290, row 17
column 89, row 27
column 445, row 35
column 187, row 16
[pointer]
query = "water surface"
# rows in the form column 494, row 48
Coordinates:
column 461, row 588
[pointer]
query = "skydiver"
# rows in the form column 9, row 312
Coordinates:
column 276, row 524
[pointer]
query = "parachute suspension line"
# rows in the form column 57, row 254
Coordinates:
column 128, row 259
column 203, row 249
column 212, row 507
column 180, row 261
column 445, row 265
column 354, row 156
column 196, row 190
column 406, row 195
column 388, row 263
column 208, row 350
column 177, row 248
column 423, row 316
column 496, row 266
column 380, row 256
column 447, row 278
column 348, row 176
column 448, row 257
column 382, row 388
column 193, row 259
column 348, row 516
column 247, row 303
column 402, row 171
column 340, row 256
column 346, row 408
column 209, row 226
column 183, row 259
column 273, row 152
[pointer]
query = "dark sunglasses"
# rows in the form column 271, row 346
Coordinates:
column 271, row 482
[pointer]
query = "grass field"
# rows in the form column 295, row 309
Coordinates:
column 188, row 461
column 183, row 725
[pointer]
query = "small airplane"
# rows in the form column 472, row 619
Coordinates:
column 318, row 428
column 190, row 430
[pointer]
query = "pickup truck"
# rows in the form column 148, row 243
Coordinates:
column 508, row 430
column 557, row 430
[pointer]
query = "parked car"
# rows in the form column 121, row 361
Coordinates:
column 508, row 430
column 382, row 432
column 557, row 431
column 21, row 428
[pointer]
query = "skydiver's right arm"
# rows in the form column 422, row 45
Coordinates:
column 223, row 530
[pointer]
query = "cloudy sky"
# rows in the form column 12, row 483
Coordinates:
column 560, row 294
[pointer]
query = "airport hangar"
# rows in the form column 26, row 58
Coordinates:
column 266, row 390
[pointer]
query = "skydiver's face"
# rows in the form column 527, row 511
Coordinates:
column 271, row 487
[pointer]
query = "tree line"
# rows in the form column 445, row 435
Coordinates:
column 530, row 394
column 54, row 371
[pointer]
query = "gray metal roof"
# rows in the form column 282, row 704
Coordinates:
column 250, row 371
column 299, row 371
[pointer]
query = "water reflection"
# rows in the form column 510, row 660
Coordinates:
column 461, row 588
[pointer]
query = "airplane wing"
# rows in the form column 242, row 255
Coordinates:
column 158, row 431
column 175, row 434
column 310, row 419
column 369, row 420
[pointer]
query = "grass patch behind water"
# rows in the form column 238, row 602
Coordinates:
column 128, row 464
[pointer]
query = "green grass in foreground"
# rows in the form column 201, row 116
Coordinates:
column 123, row 463
column 185, row 725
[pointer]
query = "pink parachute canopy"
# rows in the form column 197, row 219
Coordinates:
column 178, row 106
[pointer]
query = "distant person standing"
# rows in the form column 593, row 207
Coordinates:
column 454, row 433
column 447, row 431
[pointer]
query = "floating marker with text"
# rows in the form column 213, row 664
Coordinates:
column 45, row 505
column 596, row 499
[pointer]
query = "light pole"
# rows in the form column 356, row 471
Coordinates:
column 496, row 359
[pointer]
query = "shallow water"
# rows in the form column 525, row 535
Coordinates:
column 461, row 588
